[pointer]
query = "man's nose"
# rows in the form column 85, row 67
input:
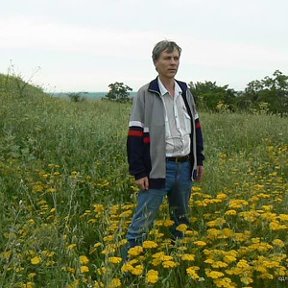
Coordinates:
column 173, row 61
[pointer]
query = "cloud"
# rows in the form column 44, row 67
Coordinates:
column 21, row 33
column 101, row 43
column 229, row 54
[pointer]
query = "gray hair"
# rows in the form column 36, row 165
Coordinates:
column 162, row 46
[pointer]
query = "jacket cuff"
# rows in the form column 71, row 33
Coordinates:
column 200, row 159
column 140, row 175
column 199, row 163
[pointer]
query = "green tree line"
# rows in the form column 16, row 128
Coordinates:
column 269, row 94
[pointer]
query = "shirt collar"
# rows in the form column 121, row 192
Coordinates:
column 163, row 90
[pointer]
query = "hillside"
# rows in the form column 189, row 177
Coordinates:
column 67, row 199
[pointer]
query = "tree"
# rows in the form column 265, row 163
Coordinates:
column 270, row 91
column 75, row 96
column 119, row 92
column 208, row 95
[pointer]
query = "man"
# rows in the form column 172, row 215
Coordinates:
column 164, row 145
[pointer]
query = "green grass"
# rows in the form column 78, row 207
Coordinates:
column 65, row 193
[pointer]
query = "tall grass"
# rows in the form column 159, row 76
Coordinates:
column 67, row 200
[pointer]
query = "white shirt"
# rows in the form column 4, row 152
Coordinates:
column 177, row 122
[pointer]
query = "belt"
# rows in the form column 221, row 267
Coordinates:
column 178, row 159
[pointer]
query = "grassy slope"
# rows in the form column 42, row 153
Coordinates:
column 72, row 155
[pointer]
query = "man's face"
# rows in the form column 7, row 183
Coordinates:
column 167, row 64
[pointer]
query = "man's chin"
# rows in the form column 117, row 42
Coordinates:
column 171, row 74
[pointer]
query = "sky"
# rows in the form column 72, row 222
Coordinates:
column 73, row 46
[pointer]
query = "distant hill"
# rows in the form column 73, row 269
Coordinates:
column 90, row 95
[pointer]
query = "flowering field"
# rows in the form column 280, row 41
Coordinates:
column 67, row 200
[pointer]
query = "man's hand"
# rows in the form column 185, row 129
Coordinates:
column 200, row 173
column 143, row 183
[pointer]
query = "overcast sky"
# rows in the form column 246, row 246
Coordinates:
column 85, row 45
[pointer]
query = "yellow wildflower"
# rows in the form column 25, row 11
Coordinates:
column 135, row 251
column 126, row 213
column 221, row 196
column 51, row 190
column 255, row 240
column 209, row 261
column 152, row 276
column 229, row 258
column 36, row 260
column 137, row 270
column 158, row 254
column 101, row 271
column 191, row 271
column 231, row 212
column 169, row 264
column 196, row 189
column 200, row 243
column 188, row 257
column 84, row 269
column 274, row 226
column 97, row 244
column 213, row 233
column 156, row 262
column 114, row 260
column 108, row 250
column 122, row 242
column 108, row 238
column 70, row 270
column 98, row 284
column 166, row 258
column 227, row 233
column 126, row 267
column 278, row 242
column 219, row 264
column 243, row 264
column 283, row 217
column 71, row 246
column 149, row 244
column 168, row 223
column 37, row 188
column 6, row 254
column 28, row 285
column 116, row 282
column 216, row 222
column 31, row 221
column 246, row 279
column 267, row 207
column 84, row 259
column 98, row 208
column 74, row 284
column 214, row 274
column 182, row 227
column 224, row 282
column 31, row 275
column 237, row 203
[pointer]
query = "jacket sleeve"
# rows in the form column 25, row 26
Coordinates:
column 135, row 139
column 199, row 142
column 199, row 137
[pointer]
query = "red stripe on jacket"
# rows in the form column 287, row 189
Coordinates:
column 135, row 133
column 198, row 125
column 146, row 140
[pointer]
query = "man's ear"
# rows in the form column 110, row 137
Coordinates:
column 154, row 62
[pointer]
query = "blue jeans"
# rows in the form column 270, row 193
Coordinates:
column 178, row 190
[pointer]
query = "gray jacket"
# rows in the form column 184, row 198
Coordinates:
column 146, row 137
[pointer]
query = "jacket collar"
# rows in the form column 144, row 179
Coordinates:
column 154, row 87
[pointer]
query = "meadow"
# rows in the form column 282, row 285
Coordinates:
column 67, row 200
